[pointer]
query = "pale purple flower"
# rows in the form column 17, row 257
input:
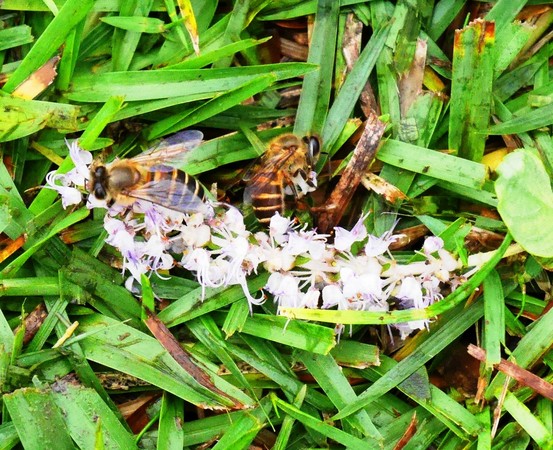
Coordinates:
column 304, row 269
column 377, row 246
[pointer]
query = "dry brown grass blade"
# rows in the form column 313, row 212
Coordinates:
column 523, row 376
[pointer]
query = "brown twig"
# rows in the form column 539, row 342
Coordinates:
column 364, row 153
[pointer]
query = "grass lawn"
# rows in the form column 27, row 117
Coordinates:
column 150, row 297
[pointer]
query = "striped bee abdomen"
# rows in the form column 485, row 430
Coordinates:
column 174, row 189
column 268, row 199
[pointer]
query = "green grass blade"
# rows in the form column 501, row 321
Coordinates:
column 288, row 422
column 171, row 419
column 338, row 389
column 494, row 314
column 436, row 343
column 158, row 84
column 472, row 72
column 343, row 105
column 15, row 36
column 306, row 336
column 210, row 108
column 444, row 13
column 243, row 431
column 142, row 356
column 37, row 431
column 317, row 85
column 22, row 117
column 432, row 163
column 71, row 13
column 8, row 435
column 202, row 301
column 101, row 119
column 529, row 350
column 531, row 424
column 283, row 377
column 85, row 412
column 125, row 41
column 322, row 427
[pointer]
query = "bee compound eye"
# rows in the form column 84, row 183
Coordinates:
column 314, row 147
column 99, row 192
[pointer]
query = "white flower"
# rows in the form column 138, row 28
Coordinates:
column 406, row 328
column 410, row 293
column 411, row 296
column 235, row 252
column 333, row 296
column 251, row 299
column 431, row 286
column 69, row 195
column 82, row 159
column 377, row 246
column 285, row 289
column 306, row 243
column 279, row 227
column 93, row 202
column 359, row 264
column 311, row 298
column 449, row 263
column 364, row 291
column 154, row 251
column 208, row 274
column 432, row 244
column 344, row 239
column 278, row 259
column 195, row 236
column 233, row 222
column 318, row 270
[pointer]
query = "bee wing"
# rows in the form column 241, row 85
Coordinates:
column 258, row 175
column 172, row 150
column 179, row 194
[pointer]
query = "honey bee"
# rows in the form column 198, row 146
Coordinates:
column 151, row 176
column 284, row 169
